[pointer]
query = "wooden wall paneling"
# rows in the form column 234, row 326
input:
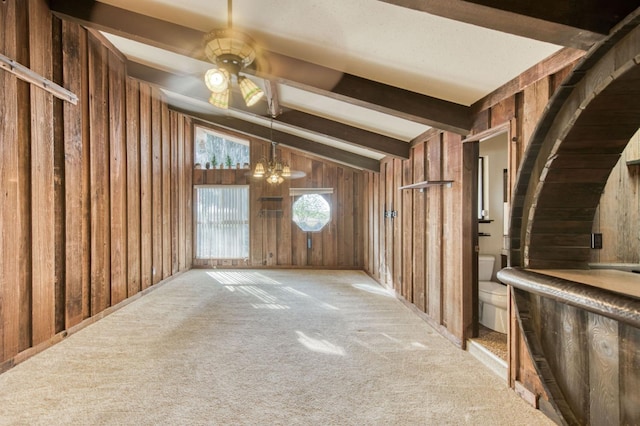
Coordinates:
column 330, row 235
column 156, row 185
column 629, row 375
column 547, row 317
column 377, row 218
column 434, row 244
column 389, row 192
column 574, row 358
column 535, row 99
column 382, row 225
column 99, row 170
column 365, row 222
column 346, row 250
column 370, row 224
column 284, row 224
column 513, row 153
column 341, row 226
column 173, row 116
column 132, row 107
column 470, row 153
column 166, row 192
column 188, row 201
column 270, row 239
column 452, row 252
column 604, row 374
column 76, row 169
column 358, row 212
column 23, row 222
column 42, row 177
column 419, row 229
column 502, row 112
column 118, row 183
column 317, row 175
column 11, row 182
column 481, row 121
column 59, row 180
column 299, row 253
column 283, row 230
column 527, row 374
column 619, row 213
column 397, row 226
column 514, row 340
column 145, row 187
column 407, row 230
column 256, row 224
column 182, row 190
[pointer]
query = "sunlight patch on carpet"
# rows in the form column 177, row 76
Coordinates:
column 313, row 299
column 373, row 289
column 241, row 278
column 321, row 346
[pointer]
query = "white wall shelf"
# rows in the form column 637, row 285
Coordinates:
column 427, row 183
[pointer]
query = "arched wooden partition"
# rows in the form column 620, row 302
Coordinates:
column 585, row 128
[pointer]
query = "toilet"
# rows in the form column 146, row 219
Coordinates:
column 492, row 296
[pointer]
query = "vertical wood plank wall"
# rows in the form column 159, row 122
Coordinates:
column 418, row 252
column 424, row 253
column 618, row 217
column 78, row 232
column 274, row 239
column 594, row 360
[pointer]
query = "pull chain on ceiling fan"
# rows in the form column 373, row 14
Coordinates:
column 231, row 51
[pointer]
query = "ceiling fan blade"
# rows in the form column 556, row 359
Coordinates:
column 297, row 174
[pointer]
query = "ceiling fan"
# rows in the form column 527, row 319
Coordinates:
column 231, row 51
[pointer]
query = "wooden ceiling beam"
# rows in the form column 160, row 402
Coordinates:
column 194, row 88
column 347, row 134
column 560, row 23
column 187, row 41
column 258, row 131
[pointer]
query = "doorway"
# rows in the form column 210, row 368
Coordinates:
column 492, row 216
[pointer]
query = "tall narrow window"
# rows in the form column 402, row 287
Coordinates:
column 222, row 222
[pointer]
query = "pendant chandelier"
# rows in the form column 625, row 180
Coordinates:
column 273, row 170
column 231, row 51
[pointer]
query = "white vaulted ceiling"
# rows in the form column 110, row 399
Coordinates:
column 334, row 61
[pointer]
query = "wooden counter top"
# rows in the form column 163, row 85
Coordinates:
column 627, row 283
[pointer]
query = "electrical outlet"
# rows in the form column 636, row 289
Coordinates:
column 596, row 241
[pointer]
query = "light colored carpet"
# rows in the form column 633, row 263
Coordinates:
column 268, row 347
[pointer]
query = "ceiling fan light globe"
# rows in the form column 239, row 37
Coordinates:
column 250, row 91
column 220, row 100
column 217, row 80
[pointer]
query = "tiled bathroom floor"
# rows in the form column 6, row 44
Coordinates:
column 495, row 342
